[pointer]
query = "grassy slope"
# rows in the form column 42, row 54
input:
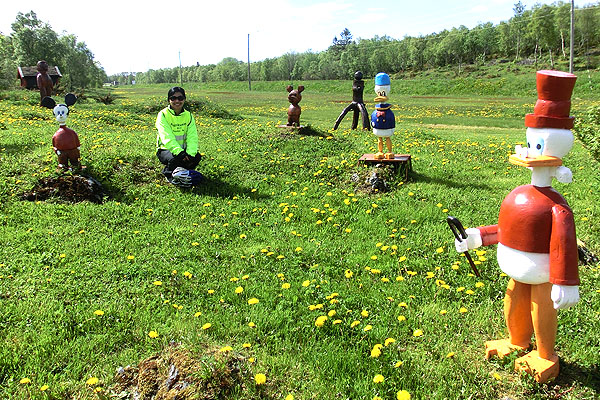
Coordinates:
column 61, row 262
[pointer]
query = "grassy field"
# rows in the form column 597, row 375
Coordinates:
column 284, row 265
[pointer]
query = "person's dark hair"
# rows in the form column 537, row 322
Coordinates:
column 174, row 90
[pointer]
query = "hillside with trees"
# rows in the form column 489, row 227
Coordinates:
column 530, row 36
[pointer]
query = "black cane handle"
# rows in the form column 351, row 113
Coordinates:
column 460, row 234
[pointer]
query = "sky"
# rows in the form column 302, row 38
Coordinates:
column 135, row 36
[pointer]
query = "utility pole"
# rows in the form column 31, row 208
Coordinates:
column 180, row 74
column 249, row 84
column 572, row 39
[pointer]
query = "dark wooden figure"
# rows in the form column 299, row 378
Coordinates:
column 357, row 105
column 44, row 82
column 294, row 111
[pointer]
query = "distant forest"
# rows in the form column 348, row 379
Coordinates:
column 541, row 33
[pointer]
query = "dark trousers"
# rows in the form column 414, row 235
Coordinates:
column 171, row 162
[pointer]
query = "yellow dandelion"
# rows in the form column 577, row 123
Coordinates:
column 462, row 310
column 368, row 328
column 321, row 320
column 376, row 350
column 450, row 355
column 289, row 397
column 153, row 334
column 225, row 349
column 130, row 257
column 439, row 250
column 157, row 283
column 92, row 381
column 239, row 290
column 443, row 312
column 337, row 321
column 378, row 378
column 285, row 286
column 305, row 283
column 389, row 341
column 398, row 364
column 251, row 324
column 206, row 326
column 364, row 313
column 479, row 284
column 402, row 395
column 199, row 313
column 348, row 274
column 401, row 318
column 246, row 345
column 25, row 381
column 331, row 313
column 260, row 379
column 354, row 323
column 253, row 300
column 417, row 332
column 44, row 388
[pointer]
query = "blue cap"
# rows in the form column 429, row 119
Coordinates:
column 382, row 79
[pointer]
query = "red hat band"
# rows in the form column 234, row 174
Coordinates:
column 554, row 101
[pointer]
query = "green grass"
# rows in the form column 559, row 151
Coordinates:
column 278, row 208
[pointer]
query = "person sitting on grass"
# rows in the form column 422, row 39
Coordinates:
column 177, row 141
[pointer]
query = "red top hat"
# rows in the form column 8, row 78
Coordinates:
column 554, row 101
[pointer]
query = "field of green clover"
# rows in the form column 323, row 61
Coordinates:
column 284, row 276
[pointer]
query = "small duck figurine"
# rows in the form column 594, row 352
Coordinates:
column 537, row 245
column 383, row 121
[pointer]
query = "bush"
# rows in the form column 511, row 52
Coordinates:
column 587, row 130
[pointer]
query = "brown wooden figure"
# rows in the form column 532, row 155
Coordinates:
column 44, row 82
column 294, row 97
column 357, row 105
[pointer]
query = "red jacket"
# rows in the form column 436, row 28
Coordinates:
column 538, row 220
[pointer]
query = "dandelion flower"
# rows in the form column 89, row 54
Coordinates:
column 443, row 312
column 417, row 332
column 354, row 323
column 479, row 284
column 44, row 388
column 25, row 381
column 289, row 397
column 260, row 379
column 450, row 355
column 321, row 320
column 389, row 341
column 378, row 378
column 376, row 350
column 348, row 274
column 199, row 313
column 462, row 310
column 92, row 381
column 225, row 349
column 153, row 334
column 398, row 364
column 285, row 286
column 157, row 283
column 368, row 328
column 206, row 326
column 331, row 313
column 251, row 324
column 403, row 395
column 99, row 312
column 253, row 300
column 364, row 313
column 401, row 318
column 239, row 290
column 130, row 257
column 305, row 283
column 246, row 345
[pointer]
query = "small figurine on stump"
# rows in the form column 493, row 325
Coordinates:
column 357, row 105
column 44, row 81
column 65, row 141
column 294, row 110
column 382, row 119
column 535, row 233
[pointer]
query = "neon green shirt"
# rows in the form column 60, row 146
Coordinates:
column 176, row 133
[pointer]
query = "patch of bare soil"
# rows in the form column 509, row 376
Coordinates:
column 70, row 188
column 178, row 374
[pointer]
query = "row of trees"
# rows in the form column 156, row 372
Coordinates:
column 542, row 31
column 32, row 40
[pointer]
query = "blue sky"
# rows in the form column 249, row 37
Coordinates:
column 134, row 35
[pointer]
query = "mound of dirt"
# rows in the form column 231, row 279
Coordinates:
column 70, row 188
column 178, row 374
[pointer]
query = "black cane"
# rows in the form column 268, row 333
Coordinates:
column 460, row 234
